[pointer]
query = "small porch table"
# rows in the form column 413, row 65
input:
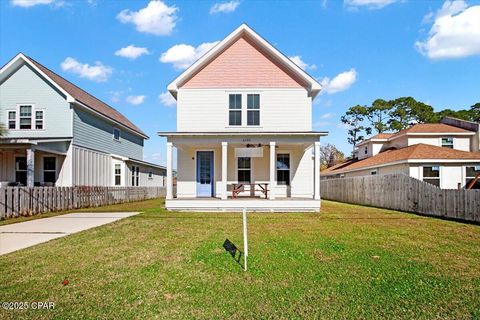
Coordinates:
column 240, row 187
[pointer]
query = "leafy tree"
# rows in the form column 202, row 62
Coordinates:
column 475, row 112
column 354, row 118
column 407, row 111
column 378, row 115
column 330, row 156
column 459, row 114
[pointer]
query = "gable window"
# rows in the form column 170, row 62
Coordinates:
column 21, row 170
column 116, row 134
column 235, row 109
column 471, row 174
column 283, row 169
column 432, row 175
column 12, row 119
column 135, row 175
column 49, row 169
column 25, row 117
column 118, row 174
column 253, row 109
column 447, row 143
column 39, row 120
column 373, row 172
column 244, row 170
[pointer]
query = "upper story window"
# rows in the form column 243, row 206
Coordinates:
column 253, row 109
column 366, row 150
column 116, row 134
column 25, row 117
column 39, row 120
column 12, row 120
column 432, row 175
column 235, row 110
column 447, row 143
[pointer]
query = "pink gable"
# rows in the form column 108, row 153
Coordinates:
column 242, row 65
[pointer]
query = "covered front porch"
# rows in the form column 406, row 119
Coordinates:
column 230, row 171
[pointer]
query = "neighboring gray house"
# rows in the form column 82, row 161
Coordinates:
column 58, row 134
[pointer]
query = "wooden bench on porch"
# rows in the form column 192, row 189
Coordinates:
column 254, row 187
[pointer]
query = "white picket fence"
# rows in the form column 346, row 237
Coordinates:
column 23, row 201
column 404, row 193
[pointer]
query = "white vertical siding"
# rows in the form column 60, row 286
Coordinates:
column 91, row 168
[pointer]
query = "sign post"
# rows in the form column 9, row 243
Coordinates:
column 245, row 241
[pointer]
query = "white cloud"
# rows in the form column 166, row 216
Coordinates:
column 131, row 52
column 455, row 32
column 156, row 18
column 328, row 115
column 135, row 100
column 370, row 4
column 302, row 64
column 167, row 100
column 30, row 3
column 321, row 124
column 340, row 82
column 224, row 7
column 183, row 55
column 97, row 72
column 115, row 96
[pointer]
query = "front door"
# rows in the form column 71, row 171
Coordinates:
column 205, row 174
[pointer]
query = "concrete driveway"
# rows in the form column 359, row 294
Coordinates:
column 21, row 235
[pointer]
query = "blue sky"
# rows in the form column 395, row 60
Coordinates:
column 360, row 49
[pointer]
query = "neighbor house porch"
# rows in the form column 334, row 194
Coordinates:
column 229, row 171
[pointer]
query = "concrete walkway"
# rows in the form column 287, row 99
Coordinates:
column 21, row 235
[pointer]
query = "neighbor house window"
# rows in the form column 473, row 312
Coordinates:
column 447, row 143
column 12, row 119
column 432, row 175
column 366, row 150
column 21, row 170
column 118, row 174
column 471, row 174
column 39, row 120
column 135, row 175
column 235, row 110
column 116, row 134
column 244, row 169
column 150, row 175
column 373, row 172
column 283, row 169
column 253, row 109
column 49, row 169
column 25, row 117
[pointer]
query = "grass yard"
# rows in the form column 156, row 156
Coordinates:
column 347, row 262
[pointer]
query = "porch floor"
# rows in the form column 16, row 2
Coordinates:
column 250, row 203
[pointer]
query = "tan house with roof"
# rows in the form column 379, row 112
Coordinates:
column 443, row 154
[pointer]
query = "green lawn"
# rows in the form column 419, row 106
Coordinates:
column 346, row 262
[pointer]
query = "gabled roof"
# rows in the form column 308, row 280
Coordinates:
column 313, row 86
column 415, row 152
column 433, row 128
column 72, row 93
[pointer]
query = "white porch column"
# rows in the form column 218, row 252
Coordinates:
column 273, row 166
column 316, row 191
column 169, row 170
column 224, row 169
column 30, row 167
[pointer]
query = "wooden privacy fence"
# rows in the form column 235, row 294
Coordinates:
column 22, row 201
column 404, row 193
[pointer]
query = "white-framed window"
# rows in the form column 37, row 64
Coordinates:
column 150, row 175
column 21, row 170
column 118, row 174
column 39, row 119
column 253, row 109
column 235, row 109
column 25, row 117
column 373, row 172
column 116, row 134
column 135, row 175
column 431, row 174
column 283, row 169
column 49, row 169
column 447, row 143
column 366, row 150
column 471, row 172
column 244, row 169
column 12, row 119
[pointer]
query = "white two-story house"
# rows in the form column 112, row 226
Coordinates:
column 59, row 135
column 443, row 154
column 244, row 131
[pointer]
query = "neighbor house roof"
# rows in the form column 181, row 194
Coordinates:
column 415, row 152
column 78, row 95
column 426, row 128
column 313, row 86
